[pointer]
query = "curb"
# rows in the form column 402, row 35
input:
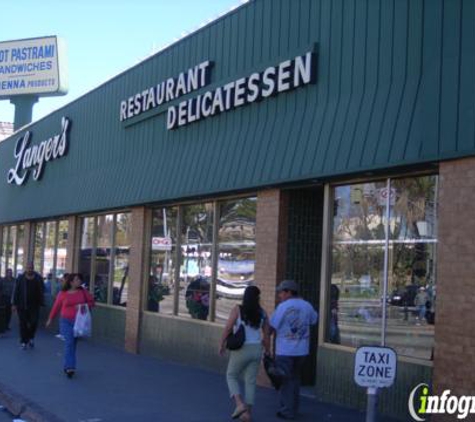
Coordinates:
column 23, row 408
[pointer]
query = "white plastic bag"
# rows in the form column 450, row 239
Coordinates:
column 83, row 322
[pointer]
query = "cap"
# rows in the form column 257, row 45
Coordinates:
column 288, row 285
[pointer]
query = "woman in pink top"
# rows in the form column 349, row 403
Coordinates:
column 66, row 304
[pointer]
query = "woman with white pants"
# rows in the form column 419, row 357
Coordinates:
column 244, row 362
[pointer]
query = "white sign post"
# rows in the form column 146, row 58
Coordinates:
column 375, row 367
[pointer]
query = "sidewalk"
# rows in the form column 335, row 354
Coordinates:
column 112, row 385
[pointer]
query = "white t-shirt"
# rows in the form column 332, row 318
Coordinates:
column 291, row 320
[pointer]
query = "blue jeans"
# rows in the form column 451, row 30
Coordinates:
column 290, row 389
column 66, row 328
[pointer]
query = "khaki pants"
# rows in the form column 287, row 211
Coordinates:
column 244, row 364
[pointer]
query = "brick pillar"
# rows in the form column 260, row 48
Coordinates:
column 138, row 268
column 271, row 242
column 454, row 357
column 73, row 243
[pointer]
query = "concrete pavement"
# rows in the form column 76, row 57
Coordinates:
column 112, row 385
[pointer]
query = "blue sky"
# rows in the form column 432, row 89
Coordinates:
column 103, row 37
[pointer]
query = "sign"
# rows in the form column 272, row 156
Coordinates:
column 161, row 244
column 32, row 67
column 287, row 75
column 375, row 367
column 34, row 158
column 383, row 197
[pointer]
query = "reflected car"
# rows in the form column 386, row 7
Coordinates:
column 405, row 296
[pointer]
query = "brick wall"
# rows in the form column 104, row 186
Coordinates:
column 454, row 358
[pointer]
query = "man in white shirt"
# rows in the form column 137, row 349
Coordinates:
column 291, row 322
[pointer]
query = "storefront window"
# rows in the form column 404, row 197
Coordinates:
column 49, row 250
column 50, row 253
column 357, row 265
column 237, row 253
column 104, row 257
column 12, row 249
column 102, row 262
column 196, row 253
column 20, row 250
column 39, row 246
column 87, row 248
column 161, row 283
column 4, row 255
column 123, row 240
column 62, row 248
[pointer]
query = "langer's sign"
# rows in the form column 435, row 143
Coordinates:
column 34, row 158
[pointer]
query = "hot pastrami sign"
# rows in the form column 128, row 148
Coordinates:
column 34, row 158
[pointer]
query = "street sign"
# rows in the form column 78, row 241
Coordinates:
column 383, row 196
column 375, row 366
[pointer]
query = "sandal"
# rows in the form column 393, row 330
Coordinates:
column 238, row 412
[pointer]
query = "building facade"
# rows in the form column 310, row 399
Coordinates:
column 328, row 141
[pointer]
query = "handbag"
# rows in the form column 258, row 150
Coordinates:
column 236, row 338
column 275, row 374
column 83, row 321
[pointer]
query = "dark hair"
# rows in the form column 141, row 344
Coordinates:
column 251, row 311
column 68, row 278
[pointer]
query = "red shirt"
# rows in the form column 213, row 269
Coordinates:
column 67, row 302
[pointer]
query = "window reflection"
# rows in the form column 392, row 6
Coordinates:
column 196, row 254
column 121, row 259
column 102, row 262
column 237, row 253
column 357, row 274
column 12, row 249
column 161, row 285
column 104, row 258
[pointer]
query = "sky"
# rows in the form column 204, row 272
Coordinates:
column 103, row 37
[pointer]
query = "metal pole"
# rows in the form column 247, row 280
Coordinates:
column 23, row 109
column 372, row 403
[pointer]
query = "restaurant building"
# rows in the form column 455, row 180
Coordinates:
column 327, row 141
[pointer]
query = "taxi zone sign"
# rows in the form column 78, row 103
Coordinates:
column 375, row 367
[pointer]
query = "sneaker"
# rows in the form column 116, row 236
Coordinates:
column 23, row 346
column 31, row 344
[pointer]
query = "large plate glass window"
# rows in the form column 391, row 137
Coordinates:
column 358, row 247
column 195, row 265
column 161, row 281
column 236, row 253
column 12, row 249
column 123, row 239
column 104, row 256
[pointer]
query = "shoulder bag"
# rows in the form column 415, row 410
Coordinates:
column 237, row 337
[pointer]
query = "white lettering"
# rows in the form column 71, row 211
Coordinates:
column 37, row 155
column 171, row 118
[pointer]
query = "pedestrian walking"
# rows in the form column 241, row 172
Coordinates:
column 244, row 362
column 290, row 323
column 7, row 285
column 66, row 304
column 27, row 300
